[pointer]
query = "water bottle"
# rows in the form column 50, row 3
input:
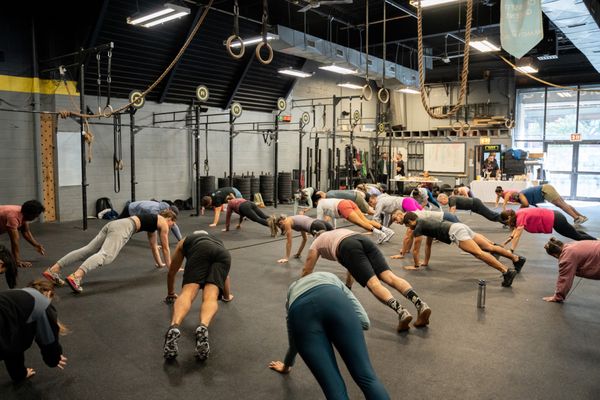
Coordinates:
column 481, row 294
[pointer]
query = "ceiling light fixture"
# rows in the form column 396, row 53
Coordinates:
column 547, row 57
column 254, row 40
column 564, row 94
column 349, row 85
column 431, row 3
column 483, row 45
column 338, row 70
column 409, row 90
column 168, row 12
column 527, row 69
column 294, row 72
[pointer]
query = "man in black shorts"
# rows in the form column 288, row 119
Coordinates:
column 207, row 268
column 469, row 204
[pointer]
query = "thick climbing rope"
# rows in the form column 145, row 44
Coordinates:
column 465, row 68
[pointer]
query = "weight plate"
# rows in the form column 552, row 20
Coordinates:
column 202, row 93
column 136, row 99
column 305, row 118
column 236, row 109
column 281, row 104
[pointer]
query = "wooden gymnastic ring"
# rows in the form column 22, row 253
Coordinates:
column 466, row 128
column 509, row 123
column 383, row 95
column 367, row 92
column 233, row 54
column 457, row 126
column 259, row 47
column 105, row 113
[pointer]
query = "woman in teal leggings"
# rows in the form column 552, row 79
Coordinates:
column 322, row 314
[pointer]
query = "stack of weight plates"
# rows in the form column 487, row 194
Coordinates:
column 266, row 188
column 284, row 187
column 207, row 185
column 243, row 185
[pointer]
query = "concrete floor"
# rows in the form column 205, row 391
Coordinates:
column 518, row 347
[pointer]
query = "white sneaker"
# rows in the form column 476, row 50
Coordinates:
column 388, row 233
column 379, row 235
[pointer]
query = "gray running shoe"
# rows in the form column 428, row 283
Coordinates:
column 202, row 346
column 379, row 235
column 170, row 348
column 404, row 319
column 423, row 316
column 388, row 233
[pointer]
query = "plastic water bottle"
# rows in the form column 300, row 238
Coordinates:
column 481, row 294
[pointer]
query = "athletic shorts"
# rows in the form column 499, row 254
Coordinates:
column 346, row 207
column 213, row 267
column 362, row 258
column 550, row 194
column 460, row 232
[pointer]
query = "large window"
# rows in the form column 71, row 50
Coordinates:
column 589, row 114
column 530, row 115
column 561, row 114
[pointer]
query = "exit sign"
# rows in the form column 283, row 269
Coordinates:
column 484, row 140
column 575, row 137
column 284, row 118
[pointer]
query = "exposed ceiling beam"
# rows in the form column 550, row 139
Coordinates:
column 249, row 58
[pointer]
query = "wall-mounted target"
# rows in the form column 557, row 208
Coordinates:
column 236, row 109
column 136, row 99
column 281, row 104
column 356, row 116
column 305, row 118
column 202, row 93
column 381, row 127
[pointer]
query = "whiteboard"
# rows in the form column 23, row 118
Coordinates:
column 444, row 157
column 69, row 158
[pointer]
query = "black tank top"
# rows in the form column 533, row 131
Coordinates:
column 148, row 222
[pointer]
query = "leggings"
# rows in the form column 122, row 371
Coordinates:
column 564, row 228
column 432, row 200
column 251, row 211
column 359, row 255
column 319, row 225
column 481, row 209
column 320, row 318
column 104, row 248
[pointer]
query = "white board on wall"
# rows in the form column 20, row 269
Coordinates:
column 69, row 158
column 445, row 157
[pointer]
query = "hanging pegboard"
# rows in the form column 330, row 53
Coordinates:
column 48, row 129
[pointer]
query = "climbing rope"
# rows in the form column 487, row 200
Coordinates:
column 465, row 68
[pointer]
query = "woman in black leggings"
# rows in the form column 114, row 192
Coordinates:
column 539, row 220
column 299, row 223
column 244, row 208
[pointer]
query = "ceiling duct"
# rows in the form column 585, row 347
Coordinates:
column 313, row 48
column 574, row 19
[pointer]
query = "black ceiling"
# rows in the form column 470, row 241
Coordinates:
column 141, row 54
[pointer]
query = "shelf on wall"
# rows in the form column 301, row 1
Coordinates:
column 441, row 133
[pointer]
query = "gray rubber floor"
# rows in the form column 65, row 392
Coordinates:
column 519, row 347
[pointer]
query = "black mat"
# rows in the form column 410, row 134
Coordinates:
column 519, row 347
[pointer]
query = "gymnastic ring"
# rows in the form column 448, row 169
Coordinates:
column 509, row 123
column 259, row 47
column 109, row 113
column 383, row 95
column 457, row 126
column 230, row 40
column 367, row 92
column 466, row 128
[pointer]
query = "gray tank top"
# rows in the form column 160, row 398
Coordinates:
column 301, row 223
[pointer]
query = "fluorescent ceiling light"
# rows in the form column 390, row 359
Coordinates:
column 564, row 94
column 168, row 12
column 409, row 90
column 431, row 3
column 295, row 72
column 338, row 70
column 547, row 57
column 527, row 69
column 254, row 40
column 484, row 46
column 350, row 85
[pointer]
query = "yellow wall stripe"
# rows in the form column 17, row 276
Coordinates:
column 21, row 84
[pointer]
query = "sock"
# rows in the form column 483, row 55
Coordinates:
column 174, row 326
column 412, row 296
column 394, row 305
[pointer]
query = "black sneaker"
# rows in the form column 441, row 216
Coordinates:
column 508, row 277
column 202, row 346
column 170, row 348
column 519, row 264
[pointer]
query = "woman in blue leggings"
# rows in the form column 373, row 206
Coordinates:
column 322, row 312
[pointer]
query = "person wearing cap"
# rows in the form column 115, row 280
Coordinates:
column 15, row 220
column 299, row 223
column 574, row 259
column 152, row 207
column 207, row 268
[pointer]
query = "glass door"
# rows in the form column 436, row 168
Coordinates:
column 588, row 171
column 559, row 168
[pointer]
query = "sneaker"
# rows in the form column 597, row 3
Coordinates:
column 170, row 348
column 202, row 346
column 423, row 316
column 388, row 233
column 54, row 277
column 508, row 277
column 580, row 220
column 519, row 264
column 74, row 283
column 379, row 235
column 404, row 319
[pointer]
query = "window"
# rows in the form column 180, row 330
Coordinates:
column 530, row 115
column 561, row 114
column 589, row 114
